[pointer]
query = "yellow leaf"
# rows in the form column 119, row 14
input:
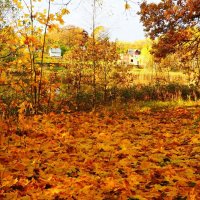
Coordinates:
column 65, row 11
column 127, row 6
column 110, row 183
column 195, row 140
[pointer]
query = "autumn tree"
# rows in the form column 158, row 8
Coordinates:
column 106, row 57
column 9, row 52
column 75, row 42
column 23, row 46
column 8, row 17
column 80, row 59
column 7, row 13
column 82, row 53
column 175, row 26
column 67, row 38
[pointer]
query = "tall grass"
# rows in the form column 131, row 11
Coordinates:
column 151, row 76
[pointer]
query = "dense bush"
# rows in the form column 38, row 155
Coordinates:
column 157, row 92
column 83, row 100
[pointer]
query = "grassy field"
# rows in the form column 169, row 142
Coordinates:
column 146, row 76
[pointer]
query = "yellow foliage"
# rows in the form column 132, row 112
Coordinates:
column 127, row 6
column 64, row 11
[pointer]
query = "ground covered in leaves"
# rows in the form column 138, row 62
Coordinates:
column 103, row 155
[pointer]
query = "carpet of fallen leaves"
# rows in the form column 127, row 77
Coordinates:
column 103, row 155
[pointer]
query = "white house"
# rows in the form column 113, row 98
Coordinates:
column 55, row 52
column 132, row 57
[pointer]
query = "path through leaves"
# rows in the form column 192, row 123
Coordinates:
column 102, row 156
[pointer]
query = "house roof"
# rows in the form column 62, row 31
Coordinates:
column 55, row 50
column 133, row 52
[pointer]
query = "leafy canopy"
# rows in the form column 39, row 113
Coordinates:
column 175, row 22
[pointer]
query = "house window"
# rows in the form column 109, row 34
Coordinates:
column 131, row 60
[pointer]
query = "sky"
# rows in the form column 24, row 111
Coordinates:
column 121, row 24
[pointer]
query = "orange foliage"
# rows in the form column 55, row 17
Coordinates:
column 101, row 155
